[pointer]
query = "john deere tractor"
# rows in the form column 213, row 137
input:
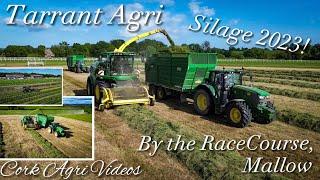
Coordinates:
column 194, row 76
column 113, row 81
column 56, row 129
column 76, row 63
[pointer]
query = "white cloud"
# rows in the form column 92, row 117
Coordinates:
column 164, row 2
column 234, row 22
column 74, row 29
column 196, row 8
column 31, row 28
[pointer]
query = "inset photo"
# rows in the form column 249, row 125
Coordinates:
column 26, row 86
column 49, row 132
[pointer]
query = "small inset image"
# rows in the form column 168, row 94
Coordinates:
column 31, row 86
column 48, row 132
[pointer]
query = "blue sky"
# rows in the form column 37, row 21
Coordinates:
column 297, row 18
column 76, row 101
column 33, row 70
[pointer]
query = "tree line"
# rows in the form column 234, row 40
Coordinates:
column 148, row 47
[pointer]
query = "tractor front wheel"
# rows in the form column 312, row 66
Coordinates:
column 89, row 88
column 239, row 114
column 56, row 134
column 160, row 93
column 202, row 102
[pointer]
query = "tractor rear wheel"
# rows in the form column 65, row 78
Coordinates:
column 202, row 102
column 239, row 114
column 49, row 130
column 160, row 93
column 78, row 69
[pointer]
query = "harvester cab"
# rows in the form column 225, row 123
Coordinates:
column 113, row 81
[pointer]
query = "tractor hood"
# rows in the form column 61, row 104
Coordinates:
column 120, row 77
column 260, row 92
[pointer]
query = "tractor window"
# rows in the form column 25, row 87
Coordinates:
column 232, row 79
column 121, row 65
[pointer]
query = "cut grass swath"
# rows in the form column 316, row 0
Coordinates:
column 303, row 120
column 49, row 149
column 291, row 93
column 207, row 164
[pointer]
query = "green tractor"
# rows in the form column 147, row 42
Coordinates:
column 76, row 63
column 193, row 75
column 113, row 82
column 56, row 129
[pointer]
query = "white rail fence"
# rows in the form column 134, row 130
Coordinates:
column 38, row 59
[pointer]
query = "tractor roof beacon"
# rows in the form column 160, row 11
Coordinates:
column 113, row 81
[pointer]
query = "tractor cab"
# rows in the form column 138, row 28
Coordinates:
column 223, row 81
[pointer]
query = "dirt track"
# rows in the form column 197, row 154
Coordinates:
column 18, row 142
column 171, row 111
column 78, row 141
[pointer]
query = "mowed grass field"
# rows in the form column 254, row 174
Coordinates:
column 29, row 143
column 44, row 91
column 298, row 118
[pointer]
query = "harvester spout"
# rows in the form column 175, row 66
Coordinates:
column 143, row 35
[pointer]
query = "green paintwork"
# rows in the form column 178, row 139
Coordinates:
column 74, row 59
column 44, row 120
column 179, row 71
column 55, row 127
column 260, row 92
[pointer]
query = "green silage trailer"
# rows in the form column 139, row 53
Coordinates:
column 181, row 72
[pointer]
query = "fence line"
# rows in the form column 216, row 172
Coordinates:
column 38, row 59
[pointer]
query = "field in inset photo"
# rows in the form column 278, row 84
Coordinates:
column 34, row 86
column 48, row 132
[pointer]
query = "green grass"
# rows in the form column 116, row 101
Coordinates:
column 207, row 164
column 303, row 120
column 12, row 63
column 15, row 82
column 304, row 84
column 270, row 63
column 80, row 117
column 292, row 93
column 53, row 112
column 49, row 149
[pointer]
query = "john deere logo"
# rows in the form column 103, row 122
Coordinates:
column 198, row 81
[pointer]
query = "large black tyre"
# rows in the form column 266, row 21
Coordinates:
column 239, row 114
column 89, row 88
column 78, row 70
column 152, row 90
column 203, row 103
column 160, row 93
